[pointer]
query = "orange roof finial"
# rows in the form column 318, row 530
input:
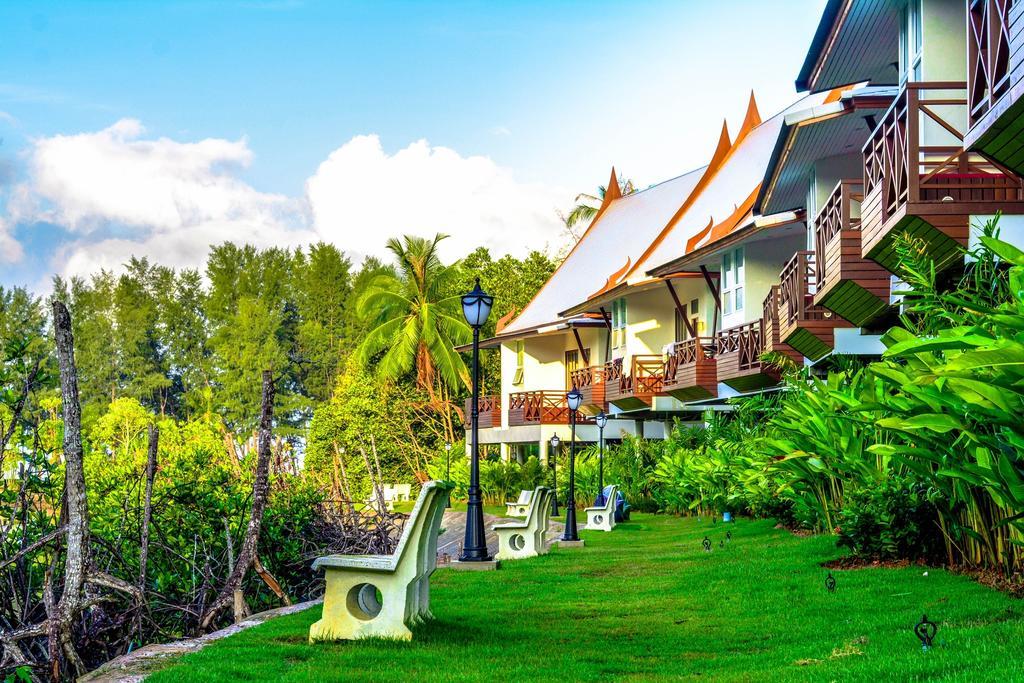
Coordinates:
column 721, row 151
column 751, row 120
column 612, row 192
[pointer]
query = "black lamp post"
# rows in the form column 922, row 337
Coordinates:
column 601, row 420
column 553, row 460
column 574, row 398
column 476, row 306
column 448, row 473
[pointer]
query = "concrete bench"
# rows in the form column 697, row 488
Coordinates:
column 383, row 595
column 520, row 507
column 400, row 492
column 603, row 518
column 519, row 540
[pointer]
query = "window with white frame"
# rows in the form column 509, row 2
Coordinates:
column 618, row 323
column 910, row 42
column 732, row 281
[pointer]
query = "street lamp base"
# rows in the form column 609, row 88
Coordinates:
column 477, row 566
column 562, row 543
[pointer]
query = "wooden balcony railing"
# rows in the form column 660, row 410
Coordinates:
column 739, row 355
column 840, row 213
column 689, row 372
column 490, row 412
column 848, row 284
column 746, row 341
column 770, row 320
column 988, row 53
column 590, row 382
column 912, row 182
column 537, row 407
column 796, row 293
column 806, row 327
column 637, row 387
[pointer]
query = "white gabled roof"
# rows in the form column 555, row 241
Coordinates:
column 725, row 202
column 617, row 236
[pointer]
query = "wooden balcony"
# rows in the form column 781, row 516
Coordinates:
column 490, row 412
column 995, row 81
column 690, row 373
column 537, row 407
column 738, row 352
column 637, row 388
column 591, row 384
column 928, row 191
column 804, row 326
column 848, row 284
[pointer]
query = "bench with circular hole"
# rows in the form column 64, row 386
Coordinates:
column 383, row 595
column 519, row 540
column 603, row 518
column 520, row 507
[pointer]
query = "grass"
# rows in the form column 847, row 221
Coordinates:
column 645, row 602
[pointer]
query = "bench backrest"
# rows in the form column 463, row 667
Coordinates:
column 403, row 491
column 524, row 497
column 611, row 498
column 535, row 514
column 420, row 530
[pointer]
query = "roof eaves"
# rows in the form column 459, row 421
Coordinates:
column 756, row 225
column 822, row 36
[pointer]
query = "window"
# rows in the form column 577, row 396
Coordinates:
column 910, row 42
column 732, row 281
column 618, row 323
column 517, row 379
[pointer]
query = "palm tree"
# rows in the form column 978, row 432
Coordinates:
column 587, row 205
column 417, row 321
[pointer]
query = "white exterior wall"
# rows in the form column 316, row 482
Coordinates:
column 762, row 262
column 544, row 362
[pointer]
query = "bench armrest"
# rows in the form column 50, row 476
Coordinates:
column 378, row 563
column 511, row 525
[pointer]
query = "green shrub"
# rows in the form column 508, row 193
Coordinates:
column 892, row 519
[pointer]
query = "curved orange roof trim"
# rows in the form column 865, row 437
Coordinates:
column 692, row 243
column 613, row 279
column 722, row 154
column 729, row 225
column 751, row 120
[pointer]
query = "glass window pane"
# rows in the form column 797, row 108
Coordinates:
column 739, row 298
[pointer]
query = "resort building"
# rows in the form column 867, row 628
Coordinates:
column 693, row 291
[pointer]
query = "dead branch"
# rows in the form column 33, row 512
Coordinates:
column 260, row 489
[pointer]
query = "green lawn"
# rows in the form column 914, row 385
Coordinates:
column 645, row 602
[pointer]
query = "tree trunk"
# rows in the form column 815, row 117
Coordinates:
column 260, row 489
column 75, row 506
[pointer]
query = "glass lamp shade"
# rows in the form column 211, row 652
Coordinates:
column 601, row 420
column 476, row 306
column 574, row 398
column 447, row 446
column 554, row 442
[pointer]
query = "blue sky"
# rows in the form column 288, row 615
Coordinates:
column 523, row 104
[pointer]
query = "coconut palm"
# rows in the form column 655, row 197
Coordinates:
column 587, row 205
column 416, row 320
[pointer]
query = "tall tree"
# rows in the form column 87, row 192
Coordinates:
column 417, row 318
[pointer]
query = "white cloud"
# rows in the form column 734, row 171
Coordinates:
column 361, row 195
column 10, row 250
column 120, row 194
